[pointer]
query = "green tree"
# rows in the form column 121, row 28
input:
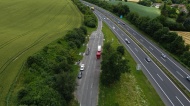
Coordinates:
column 186, row 24
column 121, row 50
column 181, row 17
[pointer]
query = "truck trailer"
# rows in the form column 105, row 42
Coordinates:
column 98, row 53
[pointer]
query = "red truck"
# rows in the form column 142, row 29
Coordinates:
column 98, row 53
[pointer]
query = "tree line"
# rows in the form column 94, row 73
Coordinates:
column 177, row 18
column 157, row 28
column 49, row 76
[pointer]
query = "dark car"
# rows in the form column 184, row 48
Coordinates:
column 88, row 51
column 123, row 23
column 80, row 75
column 147, row 59
column 188, row 78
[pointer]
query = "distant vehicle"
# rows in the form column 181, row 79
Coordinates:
column 118, row 22
column 123, row 23
column 82, row 67
column 188, row 78
column 127, row 41
column 80, row 75
column 147, row 59
column 163, row 55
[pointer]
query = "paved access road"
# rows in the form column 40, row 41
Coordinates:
column 87, row 89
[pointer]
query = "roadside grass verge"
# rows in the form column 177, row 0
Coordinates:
column 133, row 89
column 26, row 29
column 151, row 12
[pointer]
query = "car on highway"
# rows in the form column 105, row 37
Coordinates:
column 188, row 78
column 80, row 75
column 123, row 23
column 163, row 55
column 147, row 59
column 127, row 41
column 82, row 67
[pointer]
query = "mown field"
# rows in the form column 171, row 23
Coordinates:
column 151, row 12
column 25, row 27
column 133, row 89
column 185, row 35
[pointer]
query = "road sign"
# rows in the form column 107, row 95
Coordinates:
column 138, row 67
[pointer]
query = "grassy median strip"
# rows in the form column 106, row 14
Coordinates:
column 133, row 89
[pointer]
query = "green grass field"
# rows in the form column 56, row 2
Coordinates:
column 141, row 10
column 133, row 89
column 26, row 26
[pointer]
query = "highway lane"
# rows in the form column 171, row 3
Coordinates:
column 87, row 89
column 169, row 93
column 176, row 69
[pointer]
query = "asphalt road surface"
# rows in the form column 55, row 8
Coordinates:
column 88, row 85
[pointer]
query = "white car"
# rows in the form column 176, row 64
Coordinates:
column 147, row 59
column 127, row 41
column 163, row 55
column 82, row 67
column 188, row 78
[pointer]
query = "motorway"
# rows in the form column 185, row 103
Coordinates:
column 88, row 85
column 176, row 69
column 167, row 90
column 170, row 94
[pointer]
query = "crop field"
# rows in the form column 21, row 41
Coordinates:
column 185, row 35
column 151, row 12
column 26, row 26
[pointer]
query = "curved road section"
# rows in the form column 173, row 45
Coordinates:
column 87, row 89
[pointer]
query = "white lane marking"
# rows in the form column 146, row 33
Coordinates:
column 159, row 77
column 141, row 40
column 136, row 49
column 178, row 66
column 179, row 74
column 163, row 59
column 150, row 48
column 179, row 101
